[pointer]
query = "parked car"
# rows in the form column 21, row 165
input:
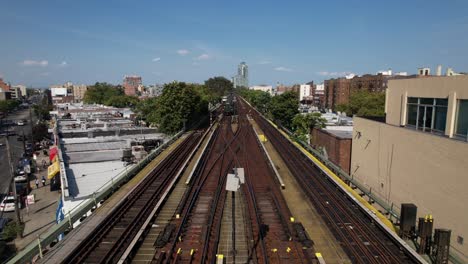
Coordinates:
column 20, row 123
column 21, row 178
column 8, row 204
column 19, row 171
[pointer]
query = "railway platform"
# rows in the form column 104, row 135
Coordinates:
column 324, row 241
column 72, row 240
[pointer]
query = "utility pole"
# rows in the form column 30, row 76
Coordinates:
column 13, row 187
column 25, row 173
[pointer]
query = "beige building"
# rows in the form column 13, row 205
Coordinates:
column 79, row 92
column 22, row 88
column 420, row 153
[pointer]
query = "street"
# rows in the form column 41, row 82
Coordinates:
column 16, row 147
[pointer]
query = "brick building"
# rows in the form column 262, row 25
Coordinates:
column 336, row 145
column 336, row 92
column 131, row 83
column 4, row 86
column 372, row 83
column 280, row 89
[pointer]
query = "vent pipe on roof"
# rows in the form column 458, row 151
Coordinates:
column 439, row 70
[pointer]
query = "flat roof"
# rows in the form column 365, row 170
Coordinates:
column 346, row 134
column 85, row 178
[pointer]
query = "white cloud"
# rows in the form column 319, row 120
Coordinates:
column 326, row 73
column 63, row 64
column 44, row 74
column 203, row 57
column 264, row 62
column 195, row 63
column 283, row 69
column 42, row 63
column 183, row 52
column 156, row 59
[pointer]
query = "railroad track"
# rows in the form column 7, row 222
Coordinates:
column 270, row 216
column 198, row 232
column 195, row 240
column 361, row 238
column 112, row 237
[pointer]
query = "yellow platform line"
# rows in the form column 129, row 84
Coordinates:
column 337, row 179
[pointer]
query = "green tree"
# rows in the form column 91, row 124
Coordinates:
column 284, row 107
column 42, row 109
column 178, row 105
column 218, row 86
column 364, row 103
column 99, row 93
column 303, row 123
column 121, row 101
column 40, row 131
column 8, row 105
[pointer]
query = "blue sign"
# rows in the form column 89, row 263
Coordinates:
column 59, row 215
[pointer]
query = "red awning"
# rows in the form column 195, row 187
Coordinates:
column 52, row 152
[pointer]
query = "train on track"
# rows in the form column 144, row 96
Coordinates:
column 229, row 104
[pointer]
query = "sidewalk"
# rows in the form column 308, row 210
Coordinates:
column 40, row 215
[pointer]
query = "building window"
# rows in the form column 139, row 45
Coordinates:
column 427, row 114
column 461, row 125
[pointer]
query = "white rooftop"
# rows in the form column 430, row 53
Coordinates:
column 86, row 178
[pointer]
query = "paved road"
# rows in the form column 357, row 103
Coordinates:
column 16, row 148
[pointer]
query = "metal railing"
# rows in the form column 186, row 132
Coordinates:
column 72, row 216
column 391, row 209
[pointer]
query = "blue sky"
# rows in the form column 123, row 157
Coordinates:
column 47, row 42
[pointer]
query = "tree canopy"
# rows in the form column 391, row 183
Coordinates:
column 218, row 86
column 178, row 105
column 259, row 99
column 284, row 107
column 8, row 105
column 364, row 103
column 302, row 123
column 101, row 93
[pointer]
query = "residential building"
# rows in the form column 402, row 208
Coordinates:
column 61, row 94
column 15, row 93
column 418, row 153
column 5, row 87
column 155, row 90
column 22, row 89
column 131, row 83
column 79, row 92
column 318, row 94
column 280, row 89
column 336, row 92
column 371, row 83
column 305, row 93
column 242, row 77
column 264, row 88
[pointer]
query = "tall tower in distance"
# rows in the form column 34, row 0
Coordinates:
column 242, row 77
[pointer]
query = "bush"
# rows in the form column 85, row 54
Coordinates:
column 12, row 230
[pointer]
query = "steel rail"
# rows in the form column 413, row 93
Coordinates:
column 92, row 242
column 331, row 192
